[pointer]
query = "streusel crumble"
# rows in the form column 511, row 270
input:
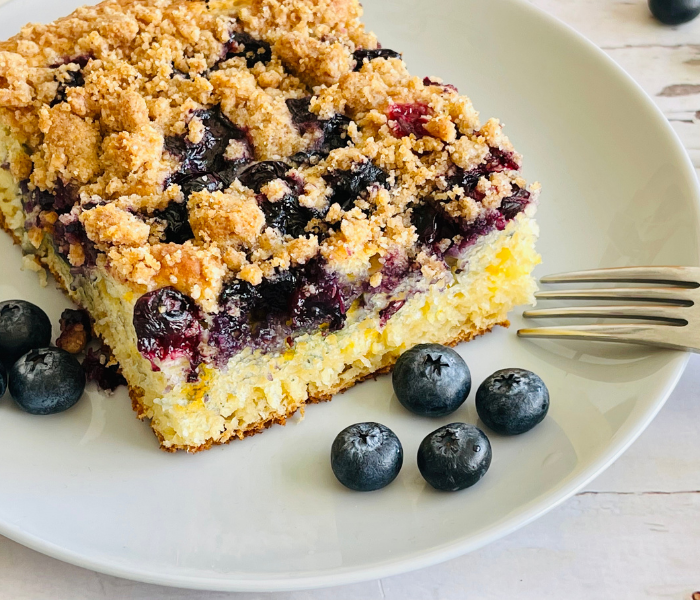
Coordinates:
column 255, row 201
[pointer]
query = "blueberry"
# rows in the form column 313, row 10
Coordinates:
column 515, row 204
column 177, row 218
column 97, row 368
column 254, row 51
column 167, row 325
column 454, row 457
column 366, row 456
column 335, row 133
column 3, row 379
column 431, row 380
column 512, row 401
column 348, row 185
column 287, row 215
column 257, row 175
column 46, row 381
column 23, row 326
column 70, row 78
column 674, row 12
column 207, row 155
column 361, row 55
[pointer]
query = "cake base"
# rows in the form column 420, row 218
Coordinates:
column 258, row 389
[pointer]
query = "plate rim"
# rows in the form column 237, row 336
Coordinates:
column 518, row 519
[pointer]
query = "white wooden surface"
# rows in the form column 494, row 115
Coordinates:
column 633, row 534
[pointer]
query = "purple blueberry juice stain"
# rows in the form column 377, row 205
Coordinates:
column 269, row 316
column 167, row 326
column 407, row 119
column 392, row 308
column 69, row 230
column 318, row 300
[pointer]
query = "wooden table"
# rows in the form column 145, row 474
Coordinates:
column 633, row 534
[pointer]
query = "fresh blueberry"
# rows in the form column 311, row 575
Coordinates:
column 454, row 457
column 46, row 381
column 366, row 456
column 431, row 380
column 23, row 326
column 674, row 12
column 3, row 379
column 512, row 401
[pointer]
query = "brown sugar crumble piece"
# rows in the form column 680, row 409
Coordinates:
column 254, row 187
column 75, row 331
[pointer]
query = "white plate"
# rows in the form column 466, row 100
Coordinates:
column 90, row 486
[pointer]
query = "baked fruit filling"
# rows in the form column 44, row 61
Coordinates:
column 255, row 201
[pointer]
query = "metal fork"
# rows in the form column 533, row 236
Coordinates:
column 672, row 304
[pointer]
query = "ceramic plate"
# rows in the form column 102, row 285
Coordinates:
column 91, row 487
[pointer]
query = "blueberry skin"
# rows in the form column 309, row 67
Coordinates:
column 23, row 326
column 431, row 380
column 3, row 380
column 454, row 457
column 46, row 381
column 512, row 401
column 674, row 12
column 366, row 456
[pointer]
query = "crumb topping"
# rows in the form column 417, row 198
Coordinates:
column 194, row 143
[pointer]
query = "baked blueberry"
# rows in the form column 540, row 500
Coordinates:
column 363, row 55
column 454, row 457
column 431, row 380
column 167, row 326
column 349, row 185
column 512, row 401
column 674, row 12
column 23, row 326
column 366, row 456
column 46, row 381
column 259, row 174
column 254, row 51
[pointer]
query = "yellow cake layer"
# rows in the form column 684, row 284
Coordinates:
column 257, row 389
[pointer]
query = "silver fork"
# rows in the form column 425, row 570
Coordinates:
column 672, row 304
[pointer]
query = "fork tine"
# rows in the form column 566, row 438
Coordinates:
column 675, row 295
column 672, row 314
column 683, row 276
column 653, row 335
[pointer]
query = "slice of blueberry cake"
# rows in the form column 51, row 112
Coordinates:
column 255, row 201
